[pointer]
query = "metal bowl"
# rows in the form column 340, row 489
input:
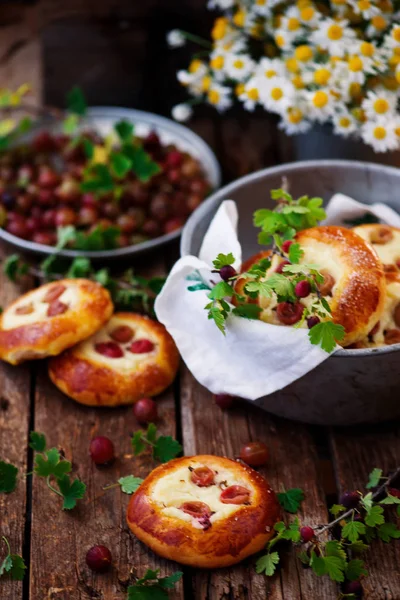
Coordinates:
column 352, row 386
column 103, row 119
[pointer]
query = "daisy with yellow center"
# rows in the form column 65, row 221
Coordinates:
column 220, row 29
column 192, row 78
column 377, row 25
column 294, row 120
column 334, row 36
column 219, row 96
column 321, row 105
column 381, row 103
column 380, row 135
column 303, row 53
column 270, row 67
column 344, row 124
column 239, row 66
column 321, row 76
column 277, row 94
column 366, row 8
column 393, row 38
column 358, row 67
column 284, row 38
column 250, row 95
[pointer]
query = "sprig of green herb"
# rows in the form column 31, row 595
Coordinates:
column 164, row 447
column 153, row 587
column 8, row 477
column 291, row 499
column 128, row 484
column 13, row 565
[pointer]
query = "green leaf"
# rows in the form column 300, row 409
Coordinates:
column 258, row 269
column 358, row 547
column 80, row 267
column 151, row 433
column 295, row 253
column 390, row 500
column 366, row 501
column 353, row 529
column 143, row 165
column 263, row 288
column 223, row 260
column 51, row 464
column 318, row 564
column 14, row 268
column 281, row 194
column 264, row 238
column 166, row 448
column 147, row 592
column 76, row 102
column 18, row 567
column 120, row 164
column 70, row 124
column 65, row 235
column 374, row 516
column 124, row 130
column 153, row 587
column 270, row 221
column 267, row 564
column 169, row 582
column 137, row 442
column 8, row 477
column 71, row 491
column 218, row 316
column 355, row 569
column 291, row 499
column 326, row 334
column 335, row 548
column 6, row 565
column 387, row 531
column 97, row 178
column 37, row 441
column 220, row 291
column 99, row 238
column 336, row 509
column 248, row 311
column 374, row 478
column 282, row 286
column 292, row 532
column 295, row 209
column 335, row 567
column 130, row 484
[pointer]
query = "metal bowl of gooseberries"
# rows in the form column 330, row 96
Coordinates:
column 351, row 386
column 165, row 138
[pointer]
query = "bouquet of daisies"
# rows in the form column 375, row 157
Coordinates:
column 333, row 61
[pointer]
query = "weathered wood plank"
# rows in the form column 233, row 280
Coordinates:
column 357, row 451
column 15, row 384
column 292, row 463
column 100, row 517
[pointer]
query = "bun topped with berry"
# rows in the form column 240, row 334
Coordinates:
column 51, row 318
column 130, row 357
column 386, row 242
column 353, row 282
column 204, row 511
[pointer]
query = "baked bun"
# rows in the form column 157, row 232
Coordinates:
column 51, row 318
column 204, row 511
column 130, row 357
column 354, row 284
column 386, row 242
column 387, row 331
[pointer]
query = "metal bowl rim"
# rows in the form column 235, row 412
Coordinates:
column 203, row 209
column 148, row 118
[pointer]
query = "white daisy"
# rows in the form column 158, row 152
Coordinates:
column 192, row 78
column 231, row 44
column 344, row 124
column 294, row 121
column 321, row 104
column 276, row 94
column 380, row 135
column 263, row 8
column 292, row 24
column 392, row 39
column 308, row 15
column 380, row 103
column 175, row 39
column 250, row 95
column 239, row 66
column 377, row 26
column 366, row 8
column 334, row 36
column 270, row 67
column 284, row 38
column 218, row 64
column 219, row 96
column 182, row 112
column 377, row 57
column 357, row 67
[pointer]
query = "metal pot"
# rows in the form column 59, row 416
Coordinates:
column 352, row 386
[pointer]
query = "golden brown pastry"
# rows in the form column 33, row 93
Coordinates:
column 386, row 242
column 354, row 284
column 51, row 318
column 130, row 357
column 204, row 511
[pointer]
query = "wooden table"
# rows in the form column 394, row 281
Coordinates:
column 321, row 461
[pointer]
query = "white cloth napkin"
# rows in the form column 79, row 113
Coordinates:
column 254, row 358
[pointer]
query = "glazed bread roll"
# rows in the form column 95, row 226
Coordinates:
column 130, row 357
column 354, row 284
column 204, row 511
column 51, row 318
column 386, row 242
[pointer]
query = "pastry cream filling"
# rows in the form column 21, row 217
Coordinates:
column 172, row 490
column 129, row 360
column 11, row 319
column 317, row 253
column 387, row 319
column 389, row 253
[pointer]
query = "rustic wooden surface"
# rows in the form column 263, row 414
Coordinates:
column 117, row 53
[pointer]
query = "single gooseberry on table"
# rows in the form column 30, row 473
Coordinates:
column 254, row 454
column 98, row 558
column 145, row 411
column 101, row 450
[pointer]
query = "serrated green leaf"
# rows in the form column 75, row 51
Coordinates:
column 151, row 433
column 220, row 291
column 166, row 448
column 318, row 564
column 335, row 567
column 358, row 547
column 71, row 491
column 248, row 311
column 326, row 334
column 120, row 164
column 169, row 582
column 124, row 130
column 37, row 441
column 218, row 317
column 352, row 530
column 387, row 531
column 97, row 178
column 291, row 499
column 366, row 501
column 8, row 477
column 374, row 516
column 76, row 102
column 80, row 267
column 355, row 569
column 18, row 567
column 336, row 509
column 51, row 464
column 267, row 564
column 65, row 235
column 143, row 165
column 137, row 442
column 130, row 484
column 14, row 268
column 6, row 565
column 295, row 253
column 390, row 500
column 223, row 260
column 335, row 548
column 374, row 478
